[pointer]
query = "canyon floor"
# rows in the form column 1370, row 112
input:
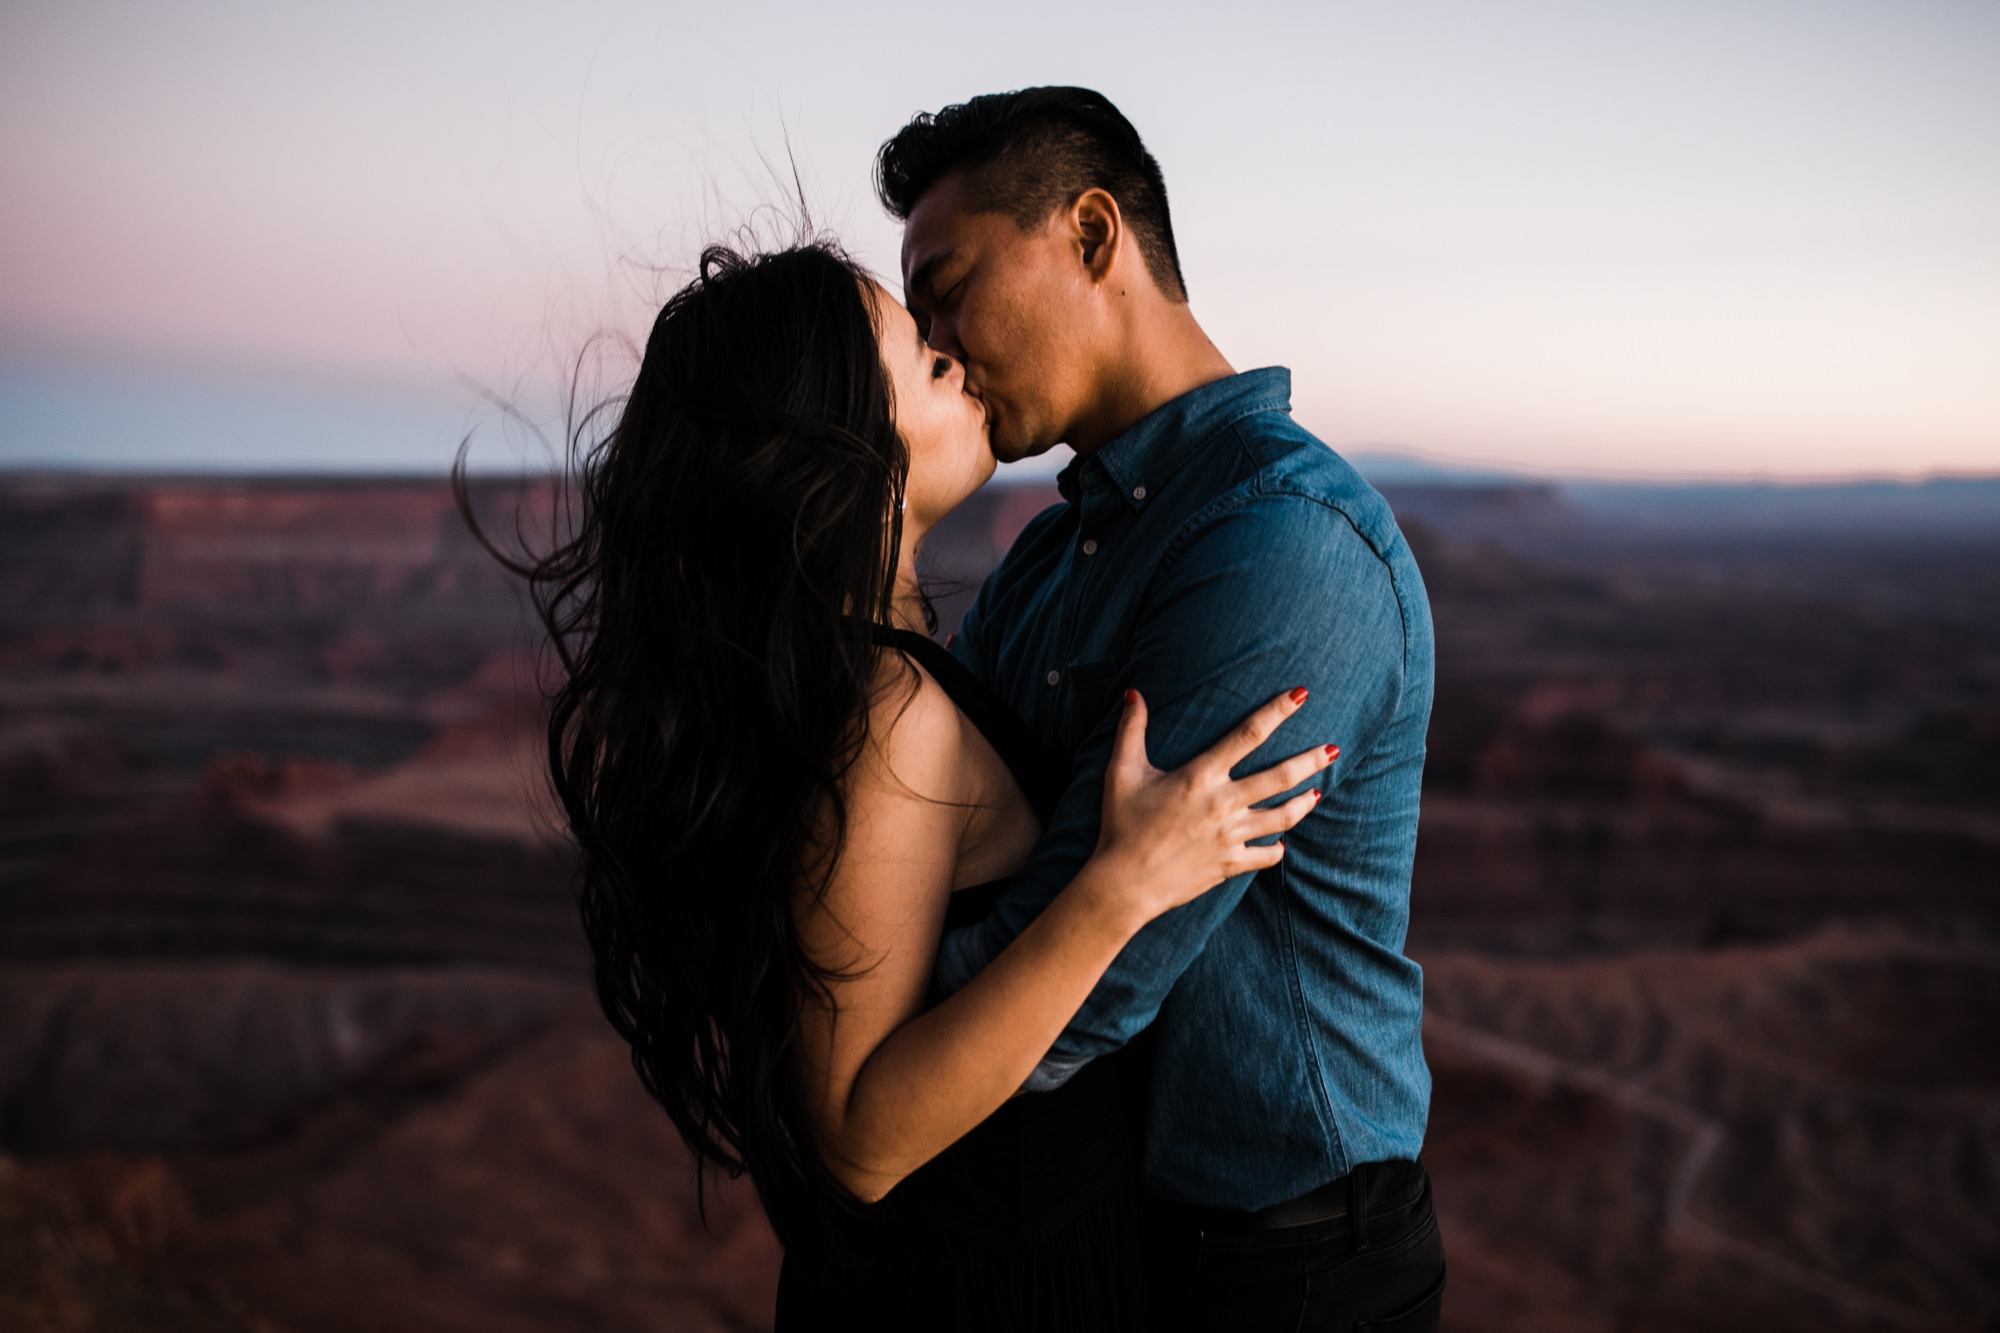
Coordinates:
column 294, row 1033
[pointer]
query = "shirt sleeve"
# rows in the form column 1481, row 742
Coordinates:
column 1276, row 593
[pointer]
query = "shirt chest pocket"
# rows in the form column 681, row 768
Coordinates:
column 1085, row 697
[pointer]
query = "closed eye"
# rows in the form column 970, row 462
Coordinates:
column 940, row 367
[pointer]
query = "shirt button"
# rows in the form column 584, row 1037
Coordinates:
column 1090, row 547
column 1138, row 492
column 1054, row 676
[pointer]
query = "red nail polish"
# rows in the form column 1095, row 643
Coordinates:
column 1131, row 697
column 1299, row 695
column 1315, row 795
column 1332, row 753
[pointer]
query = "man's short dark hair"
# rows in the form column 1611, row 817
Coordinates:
column 1027, row 153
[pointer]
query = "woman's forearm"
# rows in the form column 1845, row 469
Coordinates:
column 1165, row 838
column 936, row 1077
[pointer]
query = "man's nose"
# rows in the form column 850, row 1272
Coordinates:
column 944, row 338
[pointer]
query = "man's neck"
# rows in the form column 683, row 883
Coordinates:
column 1161, row 354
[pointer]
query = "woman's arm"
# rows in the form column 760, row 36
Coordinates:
column 889, row 1085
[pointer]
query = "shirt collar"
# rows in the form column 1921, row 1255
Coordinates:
column 1141, row 460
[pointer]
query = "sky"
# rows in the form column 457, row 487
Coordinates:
column 1684, row 239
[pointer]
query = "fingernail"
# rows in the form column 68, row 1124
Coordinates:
column 1131, row 697
column 1332, row 753
column 1299, row 695
column 1315, row 795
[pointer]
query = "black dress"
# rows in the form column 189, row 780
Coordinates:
column 1029, row 1222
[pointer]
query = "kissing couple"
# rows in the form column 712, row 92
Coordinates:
column 1054, row 981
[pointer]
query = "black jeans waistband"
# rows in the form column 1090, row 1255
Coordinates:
column 1376, row 1187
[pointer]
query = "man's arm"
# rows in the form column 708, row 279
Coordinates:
column 1277, row 593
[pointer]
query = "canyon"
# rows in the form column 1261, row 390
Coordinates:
column 295, row 1031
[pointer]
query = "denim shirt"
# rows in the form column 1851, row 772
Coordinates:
column 1210, row 557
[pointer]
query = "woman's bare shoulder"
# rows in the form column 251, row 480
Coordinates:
column 904, row 820
column 916, row 735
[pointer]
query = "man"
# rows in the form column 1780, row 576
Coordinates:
column 1209, row 553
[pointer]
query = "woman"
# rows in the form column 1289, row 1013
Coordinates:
column 783, row 793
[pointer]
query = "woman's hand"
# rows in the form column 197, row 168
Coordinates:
column 1167, row 838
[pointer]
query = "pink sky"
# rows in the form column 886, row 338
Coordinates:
column 1666, row 239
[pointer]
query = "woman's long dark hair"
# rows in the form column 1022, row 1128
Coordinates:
column 734, row 535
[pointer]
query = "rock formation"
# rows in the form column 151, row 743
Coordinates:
column 294, row 1030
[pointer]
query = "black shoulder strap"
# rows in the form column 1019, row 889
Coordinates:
column 1040, row 773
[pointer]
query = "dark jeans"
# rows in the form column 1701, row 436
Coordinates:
column 1381, row 1268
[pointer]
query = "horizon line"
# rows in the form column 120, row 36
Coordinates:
column 1426, row 470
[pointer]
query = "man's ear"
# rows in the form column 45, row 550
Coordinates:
column 1099, row 230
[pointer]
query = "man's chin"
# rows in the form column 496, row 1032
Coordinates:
column 1008, row 449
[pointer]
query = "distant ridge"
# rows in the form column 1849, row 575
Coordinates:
column 1953, row 507
column 1408, row 470
column 1928, row 509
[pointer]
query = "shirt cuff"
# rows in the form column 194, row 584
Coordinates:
column 1053, row 1072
